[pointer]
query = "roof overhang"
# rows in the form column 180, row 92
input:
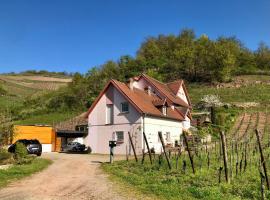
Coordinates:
column 71, row 134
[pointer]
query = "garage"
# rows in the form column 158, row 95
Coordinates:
column 72, row 130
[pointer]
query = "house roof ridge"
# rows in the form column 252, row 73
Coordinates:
column 178, row 80
column 153, row 79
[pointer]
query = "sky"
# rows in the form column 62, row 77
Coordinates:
column 75, row 35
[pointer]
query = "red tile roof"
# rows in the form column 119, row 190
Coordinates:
column 148, row 104
column 144, row 101
column 165, row 90
column 175, row 86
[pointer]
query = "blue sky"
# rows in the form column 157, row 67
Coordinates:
column 75, row 35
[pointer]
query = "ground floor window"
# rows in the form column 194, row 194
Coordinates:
column 119, row 136
column 168, row 137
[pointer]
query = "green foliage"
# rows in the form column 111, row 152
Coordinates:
column 21, row 155
column 20, row 171
column 2, row 91
column 167, row 58
column 41, row 73
column 163, row 183
column 6, row 127
column 5, row 156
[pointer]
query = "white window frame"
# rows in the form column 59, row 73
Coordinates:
column 121, row 106
column 116, row 136
column 109, row 106
column 164, row 110
column 168, row 137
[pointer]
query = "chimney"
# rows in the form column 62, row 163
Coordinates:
column 130, row 84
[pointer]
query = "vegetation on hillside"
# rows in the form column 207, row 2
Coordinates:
column 2, row 91
column 167, row 58
column 41, row 73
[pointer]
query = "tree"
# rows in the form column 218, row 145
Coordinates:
column 263, row 56
column 6, row 128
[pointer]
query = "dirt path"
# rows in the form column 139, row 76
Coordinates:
column 71, row 176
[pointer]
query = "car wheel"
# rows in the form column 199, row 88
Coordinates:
column 38, row 154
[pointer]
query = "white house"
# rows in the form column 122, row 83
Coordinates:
column 141, row 105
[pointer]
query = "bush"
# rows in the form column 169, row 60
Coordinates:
column 2, row 91
column 21, row 155
column 5, row 157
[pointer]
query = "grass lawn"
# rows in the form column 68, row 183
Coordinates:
column 176, row 184
column 20, row 171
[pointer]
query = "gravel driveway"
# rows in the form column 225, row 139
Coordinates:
column 71, row 176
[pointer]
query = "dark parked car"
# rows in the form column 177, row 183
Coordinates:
column 74, row 147
column 32, row 146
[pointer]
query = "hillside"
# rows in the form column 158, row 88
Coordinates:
column 246, row 91
column 17, row 88
column 22, row 85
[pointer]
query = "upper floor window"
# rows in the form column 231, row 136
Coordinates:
column 109, row 114
column 164, row 110
column 124, row 107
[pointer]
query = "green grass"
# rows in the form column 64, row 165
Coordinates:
column 7, row 102
column 18, row 90
column 20, row 171
column 175, row 184
column 46, row 119
column 254, row 93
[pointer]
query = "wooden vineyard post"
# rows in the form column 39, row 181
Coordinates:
column 189, row 153
column 225, row 156
column 133, row 148
column 147, row 145
column 177, row 158
column 164, row 149
column 262, row 158
column 262, row 183
column 126, row 152
column 219, row 174
column 143, row 154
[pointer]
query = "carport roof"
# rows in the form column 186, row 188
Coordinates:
column 70, row 124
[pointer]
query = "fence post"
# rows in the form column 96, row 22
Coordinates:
column 132, row 145
column 189, row 153
column 147, row 145
column 225, row 156
column 262, row 158
column 164, row 149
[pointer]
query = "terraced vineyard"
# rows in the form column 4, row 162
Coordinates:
column 247, row 122
column 19, row 87
column 25, row 85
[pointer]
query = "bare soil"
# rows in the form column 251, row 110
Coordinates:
column 71, row 176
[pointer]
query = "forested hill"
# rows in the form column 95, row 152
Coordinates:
column 170, row 57
column 166, row 58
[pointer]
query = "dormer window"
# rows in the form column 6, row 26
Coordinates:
column 124, row 107
column 164, row 110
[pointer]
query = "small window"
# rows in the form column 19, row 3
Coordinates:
column 164, row 110
column 124, row 107
column 109, row 114
column 81, row 128
column 168, row 137
column 119, row 136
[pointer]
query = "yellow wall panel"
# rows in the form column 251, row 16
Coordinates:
column 44, row 134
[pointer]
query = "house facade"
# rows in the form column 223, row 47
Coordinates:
column 141, row 105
